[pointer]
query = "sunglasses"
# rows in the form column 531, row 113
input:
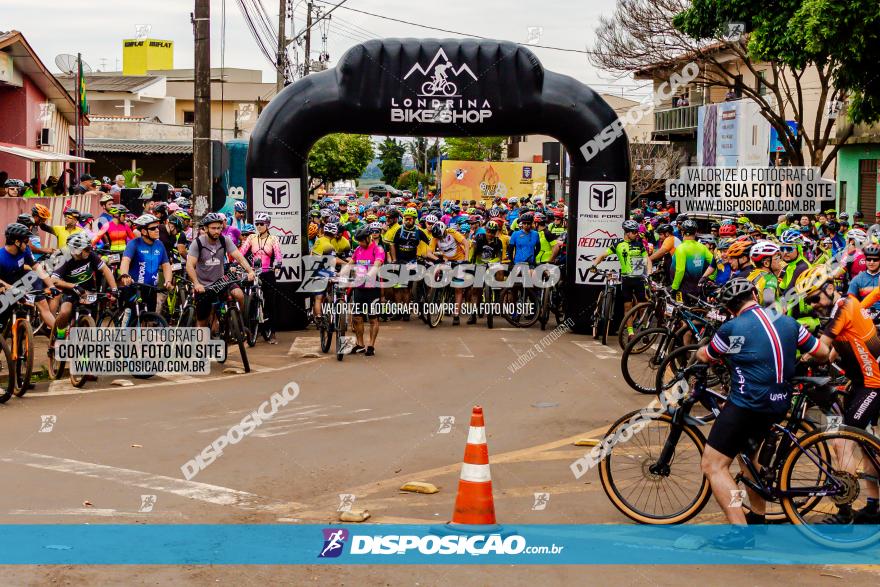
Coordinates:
column 788, row 249
column 259, row 224
column 872, row 259
column 813, row 298
column 152, row 228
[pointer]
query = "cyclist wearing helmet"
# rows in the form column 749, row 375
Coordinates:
column 15, row 261
column 558, row 226
column 868, row 280
column 145, row 256
column 635, row 265
column 36, row 247
column 366, row 260
column 856, row 346
column 231, row 230
column 450, row 245
column 723, row 268
column 62, row 233
column 205, row 266
column 524, row 242
column 691, row 262
column 267, row 248
column 117, row 232
column 77, row 275
column 854, row 257
column 404, row 251
column 727, row 231
column 106, row 203
column 663, row 253
column 768, row 265
column 343, row 211
column 837, row 242
column 738, row 257
column 240, row 216
column 760, row 354
column 792, row 249
column 549, row 244
column 173, row 236
column 392, row 218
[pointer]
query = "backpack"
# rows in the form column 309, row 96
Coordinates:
column 222, row 244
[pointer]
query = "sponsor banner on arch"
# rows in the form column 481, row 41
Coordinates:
column 601, row 211
column 484, row 180
column 280, row 198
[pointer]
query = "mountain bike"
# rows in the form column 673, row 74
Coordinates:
column 7, row 372
column 603, row 314
column 20, row 334
column 254, row 303
column 335, row 316
column 132, row 312
column 84, row 306
column 231, row 329
column 520, row 305
column 551, row 300
column 793, row 467
column 644, row 315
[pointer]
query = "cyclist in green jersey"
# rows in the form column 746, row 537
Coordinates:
column 635, row 265
column 692, row 262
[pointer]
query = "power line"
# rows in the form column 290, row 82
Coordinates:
column 433, row 28
column 323, row 16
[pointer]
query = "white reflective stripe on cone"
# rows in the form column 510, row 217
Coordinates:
column 476, row 435
column 475, row 473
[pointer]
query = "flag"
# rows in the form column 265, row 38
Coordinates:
column 81, row 85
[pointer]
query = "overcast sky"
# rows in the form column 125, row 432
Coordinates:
column 96, row 29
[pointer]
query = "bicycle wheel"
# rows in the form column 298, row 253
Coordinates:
column 597, row 314
column 55, row 367
column 640, row 317
column 85, row 321
column 187, row 317
column 837, row 476
column 341, row 326
column 544, row 310
column 150, row 320
column 436, row 297
column 24, row 356
column 7, row 374
column 640, row 369
column 325, row 332
column 236, row 335
column 608, row 315
column 520, row 306
column 489, row 298
column 673, row 496
column 252, row 311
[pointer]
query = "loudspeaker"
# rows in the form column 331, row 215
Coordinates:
column 131, row 199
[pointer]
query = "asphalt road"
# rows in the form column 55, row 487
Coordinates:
column 363, row 427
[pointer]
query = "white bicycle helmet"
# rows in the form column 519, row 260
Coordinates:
column 78, row 242
column 858, row 236
column 762, row 250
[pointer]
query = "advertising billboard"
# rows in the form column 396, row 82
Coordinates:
column 484, row 180
column 732, row 134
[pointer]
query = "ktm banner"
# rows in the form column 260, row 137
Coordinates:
column 486, row 180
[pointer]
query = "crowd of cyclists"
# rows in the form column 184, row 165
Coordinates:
column 176, row 271
column 798, row 297
column 424, row 229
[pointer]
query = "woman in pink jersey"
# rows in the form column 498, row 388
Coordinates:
column 265, row 247
column 366, row 259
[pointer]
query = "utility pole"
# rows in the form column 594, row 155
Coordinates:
column 202, row 156
column 307, row 66
column 281, row 57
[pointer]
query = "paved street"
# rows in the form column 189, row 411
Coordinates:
column 362, row 427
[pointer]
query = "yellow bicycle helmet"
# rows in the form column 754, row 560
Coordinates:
column 812, row 280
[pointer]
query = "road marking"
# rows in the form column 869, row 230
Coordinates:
column 213, row 494
column 177, row 378
column 96, row 512
column 62, row 386
column 598, row 349
column 468, row 354
column 270, row 431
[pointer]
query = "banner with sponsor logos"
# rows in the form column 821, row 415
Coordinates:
column 281, row 200
column 601, row 211
column 485, row 180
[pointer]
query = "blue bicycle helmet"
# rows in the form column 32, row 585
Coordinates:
column 240, row 206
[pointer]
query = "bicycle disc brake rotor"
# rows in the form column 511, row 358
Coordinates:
column 850, row 491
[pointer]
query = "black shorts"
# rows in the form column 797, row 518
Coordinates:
column 367, row 298
column 205, row 301
column 740, row 430
column 633, row 289
column 862, row 407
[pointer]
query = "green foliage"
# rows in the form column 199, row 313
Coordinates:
column 131, row 177
column 842, row 35
column 475, row 148
column 409, row 180
column 339, row 156
column 391, row 159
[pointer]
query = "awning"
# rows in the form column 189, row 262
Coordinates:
column 41, row 156
column 138, row 147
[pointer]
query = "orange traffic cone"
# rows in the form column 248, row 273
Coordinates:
column 474, row 503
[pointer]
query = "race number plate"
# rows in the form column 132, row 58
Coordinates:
column 91, row 298
column 715, row 315
column 669, row 309
column 176, row 267
column 114, row 258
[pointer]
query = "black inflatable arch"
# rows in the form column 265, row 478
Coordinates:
column 392, row 87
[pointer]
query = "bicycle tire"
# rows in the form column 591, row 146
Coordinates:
column 436, row 298
column 251, row 310
column 528, row 297
column 54, row 366
column 236, row 335
column 544, row 311
column 325, row 333
column 341, row 327
column 24, row 365
column 616, row 492
column 608, row 315
column 150, row 320
column 187, row 317
column 7, row 387
column 84, row 321
column 645, row 366
column 860, row 535
column 597, row 314
column 637, row 318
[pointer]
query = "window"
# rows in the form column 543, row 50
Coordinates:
column 189, row 117
column 842, row 204
column 760, row 84
column 738, row 86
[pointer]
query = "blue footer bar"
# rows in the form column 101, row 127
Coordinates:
column 272, row 544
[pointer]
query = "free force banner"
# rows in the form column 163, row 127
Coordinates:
column 280, row 199
column 601, row 211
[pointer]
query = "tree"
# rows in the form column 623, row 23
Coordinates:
column 409, row 180
column 418, row 148
column 652, row 165
column 475, row 148
column 783, row 43
column 337, row 157
column 391, row 159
